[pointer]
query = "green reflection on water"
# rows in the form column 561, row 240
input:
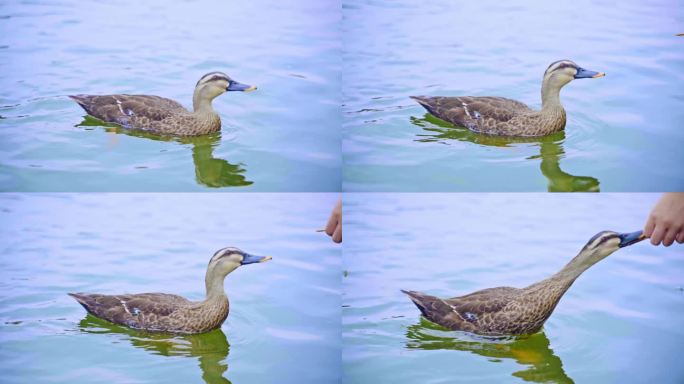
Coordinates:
column 209, row 170
column 532, row 351
column 210, row 348
column 550, row 151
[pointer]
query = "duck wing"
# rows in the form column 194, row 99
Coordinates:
column 129, row 110
column 478, row 114
column 483, row 302
column 465, row 313
column 131, row 310
column 438, row 311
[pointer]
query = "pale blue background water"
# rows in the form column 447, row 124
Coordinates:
column 622, row 321
column 283, row 137
column 624, row 131
column 284, row 321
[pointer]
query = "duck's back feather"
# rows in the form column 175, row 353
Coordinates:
column 122, row 109
column 131, row 310
column 489, row 115
column 438, row 311
column 476, row 312
column 483, row 302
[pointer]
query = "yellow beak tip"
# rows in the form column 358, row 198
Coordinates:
column 265, row 259
column 250, row 89
column 600, row 74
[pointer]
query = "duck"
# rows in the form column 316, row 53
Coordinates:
column 506, row 311
column 164, row 116
column 163, row 312
column 499, row 116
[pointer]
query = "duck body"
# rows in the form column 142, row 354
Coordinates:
column 161, row 115
column 492, row 311
column 496, row 116
column 149, row 113
column 157, row 311
column 517, row 311
column 171, row 313
column 500, row 116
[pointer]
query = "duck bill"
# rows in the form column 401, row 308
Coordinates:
column 587, row 74
column 631, row 238
column 235, row 86
column 251, row 259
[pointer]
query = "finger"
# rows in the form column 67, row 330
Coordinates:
column 650, row 226
column 337, row 235
column 669, row 237
column 332, row 224
column 680, row 236
column 658, row 234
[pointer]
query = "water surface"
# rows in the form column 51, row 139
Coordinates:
column 622, row 321
column 283, row 137
column 284, row 321
column 623, row 132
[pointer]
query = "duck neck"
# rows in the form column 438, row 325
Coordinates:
column 550, row 94
column 553, row 288
column 201, row 104
column 214, row 285
column 573, row 269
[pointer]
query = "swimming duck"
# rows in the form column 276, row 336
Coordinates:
column 517, row 311
column 505, row 117
column 164, row 116
column 172, row 313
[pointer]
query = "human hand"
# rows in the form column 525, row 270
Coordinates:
column 666, row 222
column 334, row 226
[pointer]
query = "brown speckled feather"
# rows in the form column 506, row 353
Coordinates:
column 471, row 112
column 156, row 311
column 149, row 113
column 473, row 313
column 164, row 116
column 172, row 313
column 505, row 117
column 516, row 311
column 492, row 311
column 492, row 115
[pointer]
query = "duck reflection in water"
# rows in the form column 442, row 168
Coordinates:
column 209, row 171
column 533, row 352
column 550, row 151
column 210, row 348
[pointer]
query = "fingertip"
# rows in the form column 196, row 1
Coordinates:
column 648, row 228
column 680, row 237
column 337, row 236
column 658, row 235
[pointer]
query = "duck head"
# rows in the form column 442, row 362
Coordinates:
column 562, row 72
column 228, row 259
column 214, row 84
column 606, row 242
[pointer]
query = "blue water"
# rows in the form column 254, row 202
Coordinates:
column 622, row 321
column 623, row 132
column 284, row 321
column 283, row 137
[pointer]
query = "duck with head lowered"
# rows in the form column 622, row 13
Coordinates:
column 161, row 115
column 518, row 311
column 171, row 313
column 500, row 116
